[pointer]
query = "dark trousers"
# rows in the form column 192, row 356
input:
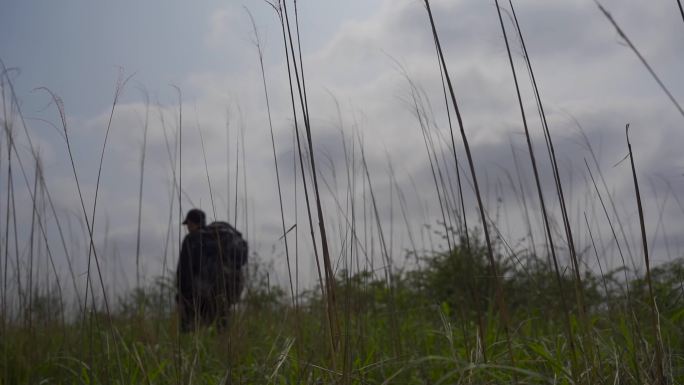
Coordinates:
column 209, row 308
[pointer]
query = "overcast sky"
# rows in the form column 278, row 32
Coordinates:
column 366, row 58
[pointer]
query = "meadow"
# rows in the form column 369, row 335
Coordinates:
column 461, row 304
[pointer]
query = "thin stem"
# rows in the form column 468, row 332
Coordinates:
column 490, row 253
column 275, row 157
column 641, row 58
column 206, row 169
column 140, row 190
column 323, row 285
column 327, row 263
column 568, row 328
column 654, row 312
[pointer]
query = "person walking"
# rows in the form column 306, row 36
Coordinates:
column 192, row 307
column 209, row 276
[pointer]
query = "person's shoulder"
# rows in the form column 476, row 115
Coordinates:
column 192, row 237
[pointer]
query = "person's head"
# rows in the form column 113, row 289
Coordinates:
column 195, row 220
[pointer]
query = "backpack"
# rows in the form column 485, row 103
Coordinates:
column 222, row 253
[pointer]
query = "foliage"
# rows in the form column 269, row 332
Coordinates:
column 461, row 278
column 421, row 328
column 668, row 288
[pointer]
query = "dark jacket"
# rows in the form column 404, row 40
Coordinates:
column 188, row 267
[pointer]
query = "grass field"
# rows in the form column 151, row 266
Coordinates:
column 426, row 329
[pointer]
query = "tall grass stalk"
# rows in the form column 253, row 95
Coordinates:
column 419, row 110
column 660, row 226
column 91, row 242
column 394, row 328
column 612, row 228
column 420, row 107
column 179, row 358
column 404, row 213
column 327, row 263
column 236, row 180
column 463, row 222
column 227, row 167
column 659, row 362
column 347, row 230
column 121, row 82
column 281, row 11
column 5, row 275
column 615, row 211
column 451, row 210
column 11, row 215
column 245, row 189
column 296, row 211
column 598, row 260
column 349, row 161
column 36, row 217
column 143, row 151
column 31, row 244
column 494, row 270
column 12, row 197
column 568, row 327
column 206, row 169
column 174, row 191
column 257, row 42
column 634, row 322
column 640, row 56
column 523, row 203
column 16, row 106
column 579, row 292
column 452, row 192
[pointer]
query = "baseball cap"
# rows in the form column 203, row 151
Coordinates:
column 195, row 216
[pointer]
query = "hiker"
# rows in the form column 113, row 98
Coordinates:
column 209, row 275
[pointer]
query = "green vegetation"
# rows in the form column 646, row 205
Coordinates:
column 425, row 328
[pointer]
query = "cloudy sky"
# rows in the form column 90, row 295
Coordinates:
column 367, row 64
